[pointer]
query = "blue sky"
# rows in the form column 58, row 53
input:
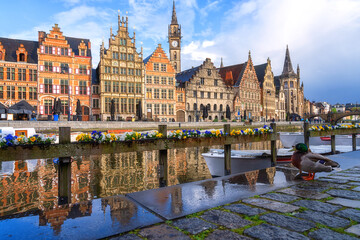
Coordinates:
column 323, row 35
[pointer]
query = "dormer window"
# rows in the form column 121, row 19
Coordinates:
column 21, row 57
column 82, row 52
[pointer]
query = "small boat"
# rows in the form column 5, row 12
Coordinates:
column 325, row 139
column 249, row 160
column 27, row 132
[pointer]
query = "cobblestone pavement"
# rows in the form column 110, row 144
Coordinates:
column 327, row 208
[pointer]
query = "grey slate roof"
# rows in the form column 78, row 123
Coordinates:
column 288, row 70
column 11, row 45
column 277, row 83
column 260, row 73
column 146, row 60
column 74, row 44
column 95, row 76
column 185, row 76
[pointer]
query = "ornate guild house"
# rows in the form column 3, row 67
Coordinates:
column 121, row 75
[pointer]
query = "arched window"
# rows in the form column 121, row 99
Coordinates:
column 215, row 107
column 188, row 106
column 175, row 66
column 175, row 55
column 221, row 107
column 208, row 107
column 195, row 106
column 201, row 107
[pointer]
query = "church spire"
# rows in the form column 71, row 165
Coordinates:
column 221, row 64
column 174, row 18
column 288, row 69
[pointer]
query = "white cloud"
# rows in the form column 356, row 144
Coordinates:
column 321, row 36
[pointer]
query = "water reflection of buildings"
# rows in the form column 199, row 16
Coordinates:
column 132, row 172
column 32, row 186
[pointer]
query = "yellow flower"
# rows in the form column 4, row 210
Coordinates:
column 133, row 138
column 184, row 137
column 32, row 139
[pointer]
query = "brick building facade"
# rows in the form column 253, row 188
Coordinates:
column 121, row 74
column 18, row 71
column 64, row 73
column 160, row 98
column 268, row 91
column 243, row 78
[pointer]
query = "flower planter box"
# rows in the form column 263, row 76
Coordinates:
column 24, row 152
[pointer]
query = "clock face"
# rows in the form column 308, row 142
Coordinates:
column 174, row 43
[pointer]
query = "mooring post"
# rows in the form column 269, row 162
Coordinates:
column 273, row 145
column 227, row 151
column 332, row 144
column 64, row 170
column 354, row 142
column 306, row 133
column 163, row 159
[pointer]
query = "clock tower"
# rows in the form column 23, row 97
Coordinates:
column 175, row 41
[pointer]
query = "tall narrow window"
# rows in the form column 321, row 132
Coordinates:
column 82, row 87
column 82, row 69
column 1, row 92
column 138, row 88
column 123, row 105
column 21, row 74
column 116, row 87
column 131, row 105
column 48, row 85
column 1, row 73
column 64, row 86
column 48, row 106
column 48, row 67
column 123, row 87
column 21, row 92
column 156, row 67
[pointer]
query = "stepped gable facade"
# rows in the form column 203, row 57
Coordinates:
column 64, row 73
column 205, row 88
column 160, row 85
column 18, row 71
column 243, row 78
column 268, row 90
column 121, row 74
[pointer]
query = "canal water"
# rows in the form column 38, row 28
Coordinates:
column 36, row 188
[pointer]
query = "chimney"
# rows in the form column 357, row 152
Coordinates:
column 42, row 36
column 89, row 45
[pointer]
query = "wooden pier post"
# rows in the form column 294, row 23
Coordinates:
column 306, row 134
column 163, row 159
column 64, row 169
column 354, row 142
column 227, row 152
column 273, row 145
column 332, row 144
